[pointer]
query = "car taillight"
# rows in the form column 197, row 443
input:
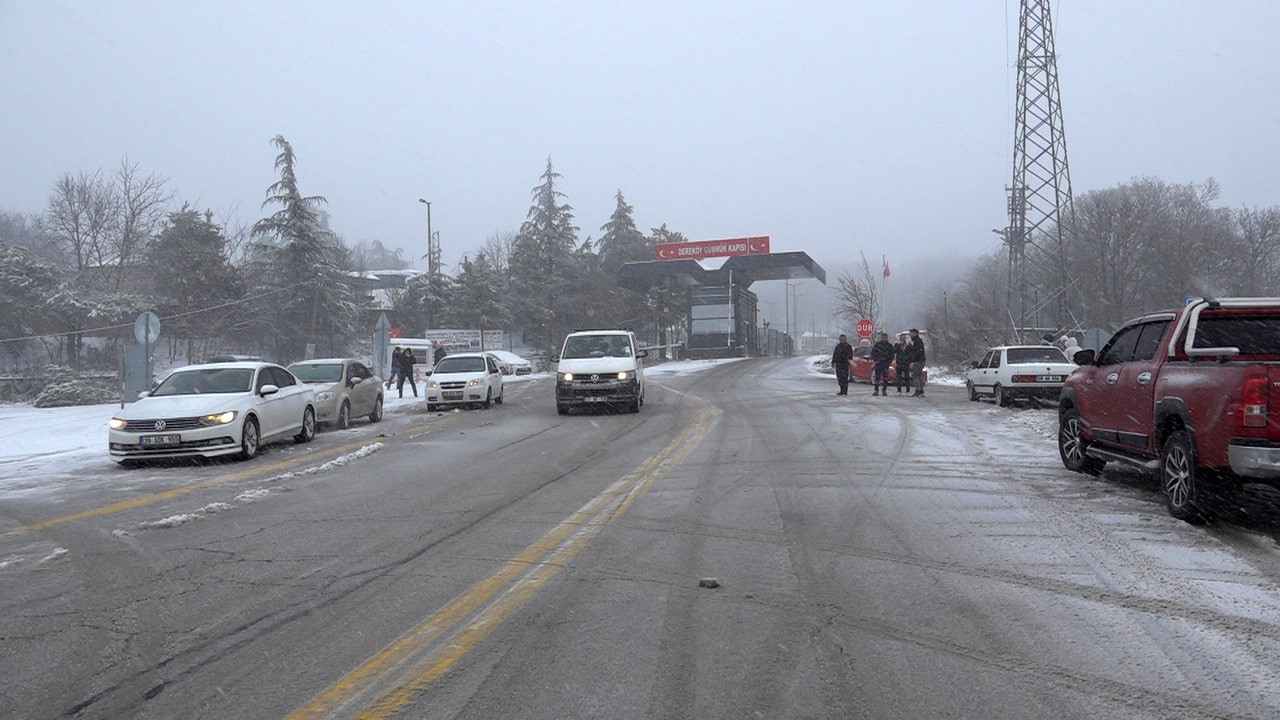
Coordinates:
column 1253, row 405
column 1024, row 378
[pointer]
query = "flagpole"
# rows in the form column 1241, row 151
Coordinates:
column 884, row 293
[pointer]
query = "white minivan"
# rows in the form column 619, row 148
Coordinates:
column 600, row 368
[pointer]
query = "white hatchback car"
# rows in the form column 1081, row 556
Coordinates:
column 214, row 409
column 1019, row 371
column 465, row 379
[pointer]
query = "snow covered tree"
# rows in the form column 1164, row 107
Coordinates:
column 622, row 242
column 545, row 271
column 668, row 303
column 478, row 296
column 194, row 279
column 857, row 295
column 300, row 269
column 26, row 283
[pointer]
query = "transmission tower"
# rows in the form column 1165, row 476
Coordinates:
column 1040, row 210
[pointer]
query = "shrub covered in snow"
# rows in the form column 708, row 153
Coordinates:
column 65, row 388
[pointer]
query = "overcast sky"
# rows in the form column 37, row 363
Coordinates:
column 834, row 127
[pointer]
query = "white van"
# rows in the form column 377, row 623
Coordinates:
column 600, row 367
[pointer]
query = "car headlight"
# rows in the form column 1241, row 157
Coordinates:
column 433, row 385
column 324, row 396
column 218, row 418
column 116, row 424
column 567, row 377
column 476, row 382
column 623, row 375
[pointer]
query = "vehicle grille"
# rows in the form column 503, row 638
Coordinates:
column 452, row 385
column 170, row 424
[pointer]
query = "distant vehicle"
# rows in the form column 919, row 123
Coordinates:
column 344, row 387
column 465, row 379
column 1187, row 393
column 511, row 363
column 214, row 409
column 600, row 367
column 232, row 357
column 1010, row 372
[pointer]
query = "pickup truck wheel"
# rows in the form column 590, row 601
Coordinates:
column 1178, row 477
column 1001, row 398
column 973, row 391
column 1072, row 445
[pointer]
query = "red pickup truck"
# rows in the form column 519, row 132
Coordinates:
column 1186, row 393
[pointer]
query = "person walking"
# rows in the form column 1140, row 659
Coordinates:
column 917, row 362
column 407, row 361
column 902, row 359
column 840, row 363
column 394, row 372
column 881, row 354
column 437, row 353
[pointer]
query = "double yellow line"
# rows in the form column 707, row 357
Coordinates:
column 393, row 679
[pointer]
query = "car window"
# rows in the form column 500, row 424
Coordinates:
column 283, row 378
column 454, row 364
column 1254, row 333
column 1039, row 354
column 264, row 379
column 317, row 372
column 493, row 366
column 985, row 362
column 1120, row 348
column 995, row 358
column 360, row 371
column 1149, row 340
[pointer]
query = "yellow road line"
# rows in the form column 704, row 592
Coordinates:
column 538, row 563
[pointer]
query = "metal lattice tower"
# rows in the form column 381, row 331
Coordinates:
column 1040, row 209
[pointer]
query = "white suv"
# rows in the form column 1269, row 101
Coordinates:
column 600, row 367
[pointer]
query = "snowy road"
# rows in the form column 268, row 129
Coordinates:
column 875, row 557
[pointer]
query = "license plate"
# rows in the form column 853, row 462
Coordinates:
column 159, row 440
column 1048, row 378
column 454, row 395
column 595, row 399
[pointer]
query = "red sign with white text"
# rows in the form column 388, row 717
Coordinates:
column 714, row 248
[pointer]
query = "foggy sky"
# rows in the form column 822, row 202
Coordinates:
column 834, row 127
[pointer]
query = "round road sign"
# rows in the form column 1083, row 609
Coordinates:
column 865, row 327
column 146, row 329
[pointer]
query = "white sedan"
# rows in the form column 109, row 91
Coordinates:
column 465, row 379
column 511, row 363
column 1019, row 371
column 214, row 409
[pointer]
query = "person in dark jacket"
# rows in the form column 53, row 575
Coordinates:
column 881, row 354
column 840, row 363
column 394, row 372
column 902, row 360
column 407, row 361
column 917, row 362
column 437, row 353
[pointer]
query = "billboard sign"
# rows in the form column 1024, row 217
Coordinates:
column 701, row 249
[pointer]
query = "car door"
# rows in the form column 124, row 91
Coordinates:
column 286, row 405
column 980, row 376
column 363, row 393
column 1111, row 408
column 991, row 373
column 495, row 376
column 1134, row 389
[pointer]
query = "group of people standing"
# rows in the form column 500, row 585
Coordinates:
column 908, row 356
column 402, row 362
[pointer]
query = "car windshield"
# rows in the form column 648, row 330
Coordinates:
column 461, row 365
column 203, row 382
column 1039, row 354
column 317, row 372
column 595, row 346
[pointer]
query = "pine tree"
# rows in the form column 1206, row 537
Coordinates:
column 478, row 296
column 544, row 267
column 190, row 262
column 301, row 260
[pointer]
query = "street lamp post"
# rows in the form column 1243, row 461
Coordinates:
column 431, row 241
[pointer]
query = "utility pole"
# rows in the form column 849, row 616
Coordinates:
column 1041, row 213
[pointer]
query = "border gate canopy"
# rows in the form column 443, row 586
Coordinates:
column 744, row 269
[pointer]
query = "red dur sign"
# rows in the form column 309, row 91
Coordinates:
column 714, row 248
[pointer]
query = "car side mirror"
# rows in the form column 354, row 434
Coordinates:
column 1084, row 357
column 642, row 353
column 354, row 381
column 144, row 393
column 555, row 358
column 269, row 390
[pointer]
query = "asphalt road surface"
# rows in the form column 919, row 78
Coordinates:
column 871, row 558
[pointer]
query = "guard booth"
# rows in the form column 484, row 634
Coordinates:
column 723, row 311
